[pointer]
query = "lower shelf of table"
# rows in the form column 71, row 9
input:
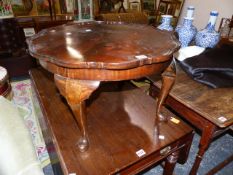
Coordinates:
column 121, row 123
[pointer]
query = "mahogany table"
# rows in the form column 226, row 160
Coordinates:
column 81, row 55
column 123, row 136
column 209, row 110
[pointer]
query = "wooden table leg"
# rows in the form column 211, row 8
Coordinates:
column 206, row 138
column 168, row 79
column 170, row 163
column 76, row 92
column 186, row 149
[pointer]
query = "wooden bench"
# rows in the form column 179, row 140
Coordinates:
column 124, row 136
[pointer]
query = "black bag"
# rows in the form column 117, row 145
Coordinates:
column 213, row 67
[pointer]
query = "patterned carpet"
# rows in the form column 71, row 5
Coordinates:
column 218, row 151
column 22, row 96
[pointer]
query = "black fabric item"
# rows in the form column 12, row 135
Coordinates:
column 213, row 67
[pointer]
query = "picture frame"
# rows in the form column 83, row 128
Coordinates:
column 6, row 9
column 134, row 6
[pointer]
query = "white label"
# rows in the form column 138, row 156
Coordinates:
column 88, row 30
column 29, row 32
column 222, row 119
column 72, row 174
column 140, row 153
column 161, row 137
column 141, row 57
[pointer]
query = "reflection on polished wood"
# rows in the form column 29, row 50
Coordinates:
column 101, row 51
column 120, row 124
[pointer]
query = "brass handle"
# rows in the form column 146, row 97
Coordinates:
column 165, row 150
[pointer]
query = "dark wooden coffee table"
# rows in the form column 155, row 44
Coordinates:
column 209, row 110
column 81, row 55
column 124, row 137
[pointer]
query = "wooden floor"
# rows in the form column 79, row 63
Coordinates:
column 120, row 121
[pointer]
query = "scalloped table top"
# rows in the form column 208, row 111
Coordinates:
column 101, row 45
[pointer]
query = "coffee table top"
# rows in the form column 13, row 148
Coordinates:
column 103, row 45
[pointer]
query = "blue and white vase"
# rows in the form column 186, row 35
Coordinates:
column 166, row 23
column 190, row 12
column 208, row 37
column 186, row 32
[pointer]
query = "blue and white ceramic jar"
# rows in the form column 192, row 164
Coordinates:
column 208, row 37
column 166, row 23
column 186, row 32
column 190, row 12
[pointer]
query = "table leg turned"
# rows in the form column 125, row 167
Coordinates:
column 170, row 163
column 206, row 138
column 168, row 79
column 76, row 92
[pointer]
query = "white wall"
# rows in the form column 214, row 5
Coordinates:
column 203, row 8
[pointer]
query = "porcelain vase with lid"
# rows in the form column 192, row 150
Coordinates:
column 208, row 37
column 187, row 31
column 166, row 23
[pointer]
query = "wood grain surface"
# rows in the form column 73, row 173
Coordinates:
column 103, row 45
column 120, row 122
column 211, row 104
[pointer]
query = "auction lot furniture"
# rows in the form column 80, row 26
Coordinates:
column 81, row 55
column 209, row 110
column 124, row 136
column 123, row 126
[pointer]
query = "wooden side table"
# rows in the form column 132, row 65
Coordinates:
column 209, row 110
column 125, row 137
column 89, row 53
